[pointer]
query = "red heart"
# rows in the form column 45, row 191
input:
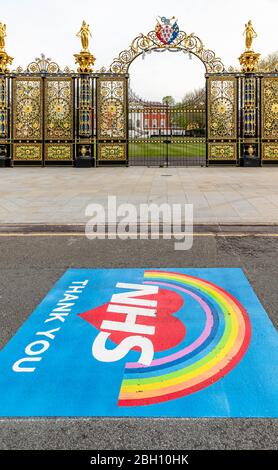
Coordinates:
column 169, row 330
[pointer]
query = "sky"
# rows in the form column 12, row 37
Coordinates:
column 50, row 27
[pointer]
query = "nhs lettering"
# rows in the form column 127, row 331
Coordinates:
column 135, row 319
column 128, row 304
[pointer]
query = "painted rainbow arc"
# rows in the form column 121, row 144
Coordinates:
column 171, row 377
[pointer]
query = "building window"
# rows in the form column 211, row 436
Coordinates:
column 146, row 123
column 162, row 123
column 138, row 123
column 154, row 122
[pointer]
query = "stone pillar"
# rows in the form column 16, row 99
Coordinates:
column 250, row 121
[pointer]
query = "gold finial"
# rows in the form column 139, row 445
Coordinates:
column 84, row 34
column 5, row 59
column 249, row 59
column 250, row 34
column 84, row 59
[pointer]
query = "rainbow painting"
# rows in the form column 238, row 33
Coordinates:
column 144, row 342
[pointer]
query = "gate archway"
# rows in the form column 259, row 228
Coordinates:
column 175, row 41
column 164, row 133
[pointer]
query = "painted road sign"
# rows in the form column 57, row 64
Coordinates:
column 144, row 342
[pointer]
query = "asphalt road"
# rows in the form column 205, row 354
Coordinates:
column 29, row 267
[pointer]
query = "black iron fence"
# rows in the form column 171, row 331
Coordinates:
column 54, row 117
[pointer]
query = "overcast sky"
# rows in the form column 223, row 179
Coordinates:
column 49, row 26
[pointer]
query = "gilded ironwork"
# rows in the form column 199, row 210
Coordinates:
column 58, row 152
column 222, row 151
column 46, row 108
column 85, row 107
column 250, row 105
column 43, row 65
column 222, row 105
column 27, row 107
column 112, row 152
column 250, row 34
column 2, row 36
column 191, row 44
column 249, row 59
column 27, row 152
column 84, row 59
column 84, row 34
column 111, row 99
column 270, row 151
column 3, row 108
column 270, row 107
column 58, row 109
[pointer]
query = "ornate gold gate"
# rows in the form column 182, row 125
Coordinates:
column 50, row 116
column 111, row 119
column 222, row 111
column 43, row 115
column 269, row 118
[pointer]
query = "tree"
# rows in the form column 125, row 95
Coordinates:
column 168, row 100
column 195, row 99
column 189, row 118
column 269, row 63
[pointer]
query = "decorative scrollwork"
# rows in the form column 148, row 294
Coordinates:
column 111, row 102
column 58, row 111
column 183, row 42
column 222, row 108
column 3, row 108
column 222, row 151
column 27, row 105
column 270, row 107
column 58, row 152
column 270, row 151
column 28, row 152
column 43, row 64
column 112, row 152
column 85, row 107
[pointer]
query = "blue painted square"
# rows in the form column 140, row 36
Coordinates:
column 144, row 342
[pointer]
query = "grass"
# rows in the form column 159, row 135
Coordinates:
column 186, row 148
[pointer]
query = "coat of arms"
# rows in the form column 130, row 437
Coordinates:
column 166, row 30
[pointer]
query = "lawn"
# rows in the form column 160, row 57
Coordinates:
column 178, row 148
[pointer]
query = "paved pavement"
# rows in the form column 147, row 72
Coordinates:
column 60, row 195
column 29, row 267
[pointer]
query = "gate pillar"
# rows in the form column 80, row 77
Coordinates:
column 85, row 116
column 250, row 132
column 5, row 136
column 250, row 149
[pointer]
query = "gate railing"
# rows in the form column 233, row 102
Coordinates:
column 242, row 114
column 50, row 116
column 72, row 119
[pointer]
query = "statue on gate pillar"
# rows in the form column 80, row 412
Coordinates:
column 84, row 34
column 2, row 36
column 249, row 59
column 85, row 59
column 5, row 59
column 250, row 34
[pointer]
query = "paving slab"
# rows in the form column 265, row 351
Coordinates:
column 219, row 195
